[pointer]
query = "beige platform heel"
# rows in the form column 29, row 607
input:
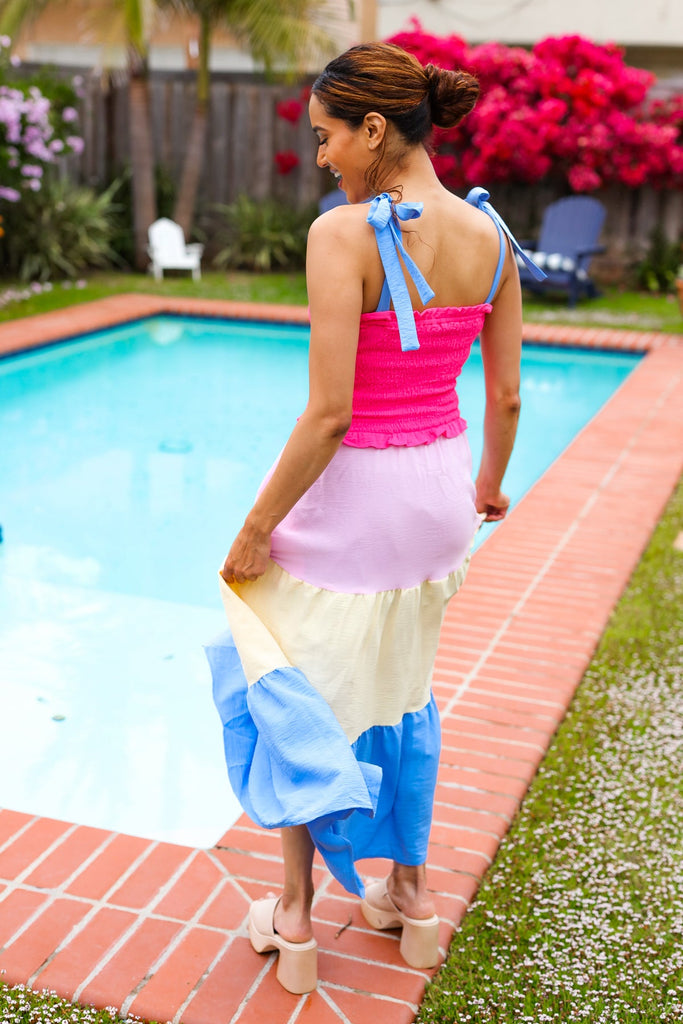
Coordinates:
column 297, row 967
column 419, row 939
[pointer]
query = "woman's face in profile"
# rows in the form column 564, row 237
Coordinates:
column 343, row 150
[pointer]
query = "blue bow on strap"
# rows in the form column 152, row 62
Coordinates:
column 383, row 218
column 479, row 197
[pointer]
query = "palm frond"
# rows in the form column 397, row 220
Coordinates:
column 14, row 14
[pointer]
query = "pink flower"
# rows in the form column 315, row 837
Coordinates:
column 583, row 179
column 289, row 110
column 570, row 108
column 75, row 143
column 10, row 194
column 69, row 115
column 286, row 160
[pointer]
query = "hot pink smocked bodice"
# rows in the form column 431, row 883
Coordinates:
column 409, row 397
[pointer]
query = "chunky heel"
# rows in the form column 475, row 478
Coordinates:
column 420, row 942
column 420, row 938
column 297, row 969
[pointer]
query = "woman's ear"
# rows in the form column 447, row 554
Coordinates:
column 375, row 127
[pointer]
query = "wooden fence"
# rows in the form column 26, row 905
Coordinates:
column 245, row 133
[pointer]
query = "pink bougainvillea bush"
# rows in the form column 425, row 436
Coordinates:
column 37, row 127
column 567, row 109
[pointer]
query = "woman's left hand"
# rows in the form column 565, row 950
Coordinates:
column 248, row 558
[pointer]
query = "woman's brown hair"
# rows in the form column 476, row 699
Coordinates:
column 385, row 79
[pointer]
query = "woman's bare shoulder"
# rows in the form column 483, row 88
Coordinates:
column 348, row 218
column 470, row 220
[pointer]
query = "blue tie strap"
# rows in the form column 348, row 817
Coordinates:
column 384, row 216
column 479, row 197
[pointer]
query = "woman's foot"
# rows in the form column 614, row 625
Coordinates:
column 410, row 897
column 419, row 940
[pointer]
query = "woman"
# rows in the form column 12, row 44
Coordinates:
column 338, row 581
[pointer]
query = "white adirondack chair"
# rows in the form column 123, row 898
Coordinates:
column 168, row 251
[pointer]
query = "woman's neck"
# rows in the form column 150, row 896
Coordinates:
column 413, row 177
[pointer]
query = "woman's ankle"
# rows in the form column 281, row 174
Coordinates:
column 407, row 887
column 292, row 918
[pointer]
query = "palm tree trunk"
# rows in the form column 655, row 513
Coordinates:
column 193, row 163
column 141, row 157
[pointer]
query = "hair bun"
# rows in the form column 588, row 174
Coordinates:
column 452, row 94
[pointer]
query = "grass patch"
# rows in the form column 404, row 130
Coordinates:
column 615, row 308
column 580, row 917
column 288, row 288
column 18, row 1005
column 630, row 310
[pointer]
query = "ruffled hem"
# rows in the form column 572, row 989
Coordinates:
column 290, row 763
column 361, row 438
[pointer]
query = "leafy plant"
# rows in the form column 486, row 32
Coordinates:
column 660, row 267
column 122, row 240
column 58, row 231
column 261, row 234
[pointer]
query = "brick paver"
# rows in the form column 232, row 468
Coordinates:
column 160, row 930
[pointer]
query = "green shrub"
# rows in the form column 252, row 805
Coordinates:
column 657, row 271
column 122, row 239
column 261, row 234
column 59, row 231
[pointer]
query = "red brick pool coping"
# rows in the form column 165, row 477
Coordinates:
column 158, row 930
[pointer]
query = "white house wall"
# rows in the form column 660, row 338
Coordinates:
column 627, row 22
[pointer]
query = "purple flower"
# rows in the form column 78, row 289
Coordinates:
column 34, row 184
column 32, row 171
column 75, row 143
column 10, row 194
column 15, row 61
column 69, row 114
column 5, row 42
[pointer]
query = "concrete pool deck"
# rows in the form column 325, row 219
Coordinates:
column 159, row 930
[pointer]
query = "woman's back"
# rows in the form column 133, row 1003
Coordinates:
column 455, row 246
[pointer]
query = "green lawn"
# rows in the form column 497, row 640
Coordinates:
column 616, row 308
column 243, row 287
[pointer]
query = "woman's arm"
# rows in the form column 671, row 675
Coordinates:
column 501, row 348
column 335, row 292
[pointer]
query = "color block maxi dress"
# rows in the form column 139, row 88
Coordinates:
column 323, row 680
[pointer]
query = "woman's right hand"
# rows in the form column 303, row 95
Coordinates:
column 248, row 557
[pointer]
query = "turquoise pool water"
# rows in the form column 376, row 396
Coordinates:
column 128, row 459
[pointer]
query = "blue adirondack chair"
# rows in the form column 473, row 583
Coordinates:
column 566, row 244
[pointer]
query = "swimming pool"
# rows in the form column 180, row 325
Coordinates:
column 127, row 461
